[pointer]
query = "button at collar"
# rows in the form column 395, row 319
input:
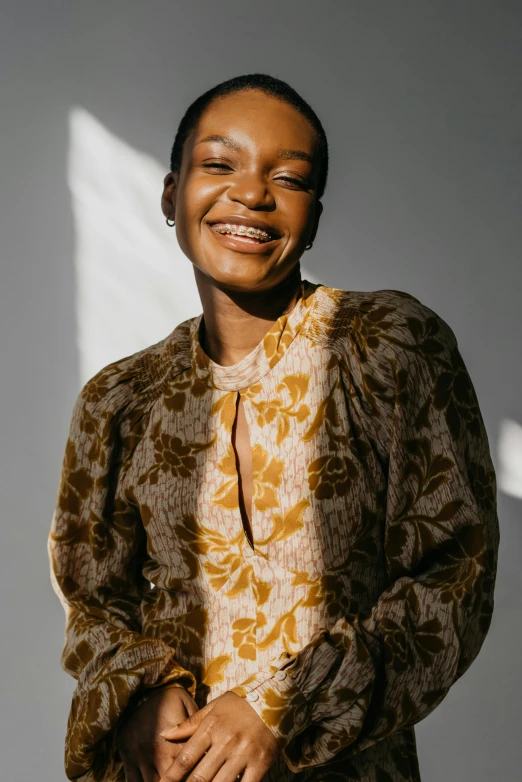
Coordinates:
column 280, row 675
column 252, row 696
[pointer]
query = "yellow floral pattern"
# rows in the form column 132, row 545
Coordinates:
column 267, row 472
column 367, row 588
column 276, row 411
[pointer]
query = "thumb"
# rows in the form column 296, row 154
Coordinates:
column 188, row 726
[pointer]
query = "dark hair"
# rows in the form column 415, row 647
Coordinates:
column 270, row 86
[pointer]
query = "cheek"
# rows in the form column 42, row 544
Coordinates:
column 299, row 218
column 196, row 201
column 191, row 210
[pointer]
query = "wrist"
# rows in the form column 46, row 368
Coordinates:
column 140, row 697
column 146, row 694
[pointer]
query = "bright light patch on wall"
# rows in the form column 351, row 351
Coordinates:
column 134, row 284
column 510, row 458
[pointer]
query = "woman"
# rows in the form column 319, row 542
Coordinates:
column 276, row 528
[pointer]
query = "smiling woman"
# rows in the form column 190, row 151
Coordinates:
column 302, row 472
column 235, row 171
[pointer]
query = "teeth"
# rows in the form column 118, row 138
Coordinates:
column 241, row 230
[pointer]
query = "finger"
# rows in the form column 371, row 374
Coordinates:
column 132, row 773
column 149, row 773
column 189, row 703
column 208, row 766
column 190, row 708
column 188, row 757
column 184, row 730
column 250, row 774
column 231, row 770
column 164, row 753
column 187, row 727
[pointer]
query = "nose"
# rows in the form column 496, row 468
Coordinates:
column 250, row 188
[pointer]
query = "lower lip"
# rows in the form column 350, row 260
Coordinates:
column 242, row 245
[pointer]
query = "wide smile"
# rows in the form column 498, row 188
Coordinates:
column 242, row 243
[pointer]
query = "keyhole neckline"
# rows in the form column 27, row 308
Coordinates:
column 267, row 353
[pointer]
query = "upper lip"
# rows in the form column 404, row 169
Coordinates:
column 240, row 220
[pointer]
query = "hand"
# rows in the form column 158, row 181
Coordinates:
column 144, row 754
column 227, row 738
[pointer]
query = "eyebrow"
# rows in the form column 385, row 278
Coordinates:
column 285, row 154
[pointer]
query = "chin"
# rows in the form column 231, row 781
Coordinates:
column 243, row 275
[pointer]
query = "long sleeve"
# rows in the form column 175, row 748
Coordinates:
column 96, row 547
column 382, row 670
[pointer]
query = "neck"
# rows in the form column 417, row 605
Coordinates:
column 235, row 322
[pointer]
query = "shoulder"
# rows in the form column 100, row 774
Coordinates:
column 400, row 366
column 126, row 389
column 394, row 351
column 375, row 325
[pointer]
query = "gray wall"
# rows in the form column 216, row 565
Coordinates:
column 421, row 103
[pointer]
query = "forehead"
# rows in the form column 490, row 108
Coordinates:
column 255, row 118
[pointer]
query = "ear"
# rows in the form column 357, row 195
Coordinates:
column 317, row 217
column 168, row 197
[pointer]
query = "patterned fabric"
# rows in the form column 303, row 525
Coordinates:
column 369, row 590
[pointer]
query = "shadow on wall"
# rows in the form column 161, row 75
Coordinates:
column 133, row 282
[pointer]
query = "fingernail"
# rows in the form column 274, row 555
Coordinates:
column 168, row 730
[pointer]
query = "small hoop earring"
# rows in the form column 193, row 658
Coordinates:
column 170, row 224
column 308, row 246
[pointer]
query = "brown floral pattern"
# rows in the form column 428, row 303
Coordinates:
column 369, row 587
column 329, row 475
column 172, row 455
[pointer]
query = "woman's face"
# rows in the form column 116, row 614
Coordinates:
column 251, row 161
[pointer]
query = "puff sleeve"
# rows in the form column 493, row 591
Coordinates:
column 386, row 669
column 96, row 546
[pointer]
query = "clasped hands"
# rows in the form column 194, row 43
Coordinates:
column 224, row 740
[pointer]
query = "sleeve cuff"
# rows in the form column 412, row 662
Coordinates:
column 175, row 674
column 275, row 696
column 96, row 715
column 297, row 690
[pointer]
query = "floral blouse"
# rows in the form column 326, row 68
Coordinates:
column 368, row 590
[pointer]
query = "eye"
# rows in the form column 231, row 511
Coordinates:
column 298, row 182
column 215, row 165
